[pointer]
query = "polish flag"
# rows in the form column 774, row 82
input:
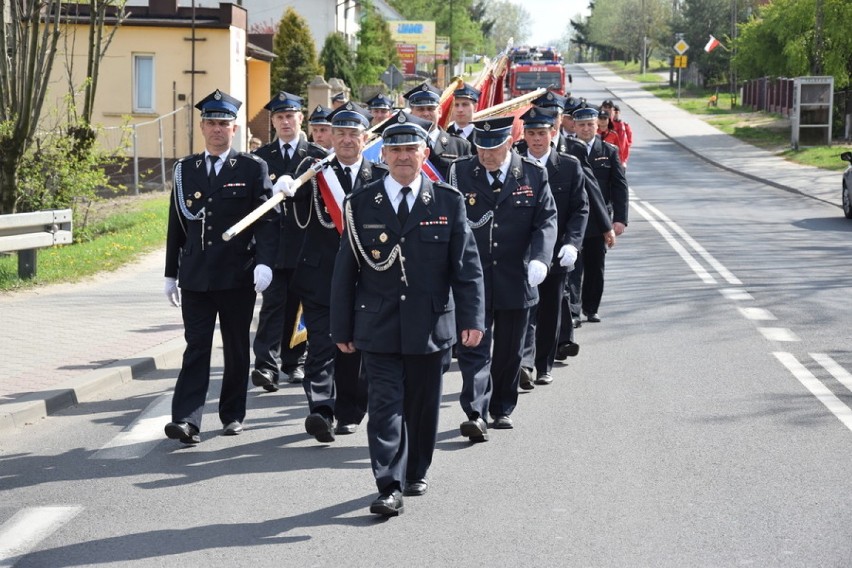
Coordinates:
column 712, row 44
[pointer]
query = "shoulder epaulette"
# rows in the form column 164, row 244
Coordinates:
column 444, row 185
column 531, row 161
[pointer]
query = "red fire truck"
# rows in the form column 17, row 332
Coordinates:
column 533, row 68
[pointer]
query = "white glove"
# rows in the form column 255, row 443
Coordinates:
column 172, row 291
column 284, row 185
column 567, row 256
column 536, row 272
column 262, row 277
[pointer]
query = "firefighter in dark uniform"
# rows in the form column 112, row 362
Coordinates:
column 568, row 186
column 319, row 132
column 380, row 108
column 425, row 103
column 465, row 100
column 406, row 247
column 209, row 277
column 556, row 102
column 280, row 307
column 333, row 383
column 606, row 166
column 513, row 216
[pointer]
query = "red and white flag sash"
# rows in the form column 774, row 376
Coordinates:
column 332, row 194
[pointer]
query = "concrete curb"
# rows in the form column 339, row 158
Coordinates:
column 38, row 405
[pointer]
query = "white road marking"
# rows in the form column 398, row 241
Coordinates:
column 736, row 294
column 142, row 435
column 757, row 314
column 717, row 266
column 819, row 390
column 843, row 376
column 678, row 248
column 28, row 527
column 778, row 334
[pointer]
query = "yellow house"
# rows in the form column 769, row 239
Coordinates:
column 162, row 60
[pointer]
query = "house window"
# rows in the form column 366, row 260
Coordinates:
column 143, row 83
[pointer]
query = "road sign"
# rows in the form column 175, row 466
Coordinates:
column 681, row 47
column 680, row 61
column 392, row 77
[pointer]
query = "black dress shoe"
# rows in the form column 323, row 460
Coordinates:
column 295, row 373
column 343, row 429
column 233, row 428
column 576, row 322
column 266, row 379
column 475, row 429
column 544, row 379
column 415, row 488
column 567, row 349
column 526, row 379
column 502, row 422
column 388, row 504
column 183, row 431
column 593, row 317
column 320, row 427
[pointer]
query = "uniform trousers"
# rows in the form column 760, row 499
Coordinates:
column 235, row 309
column 404, row 401
column 333, row 379
column 490, row 382
column 275, row 325
column 544, row 324
column 589, row 273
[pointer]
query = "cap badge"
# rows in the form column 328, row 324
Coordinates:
column 349, row 106
column 550, row 96
column 532, row 113
column 217, row 95
column 424, row 87
column 402, row 117
column 318, row 109
column 486, row 127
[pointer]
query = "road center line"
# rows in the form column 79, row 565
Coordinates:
column 696, row 267
column 842, row 375
column 819, row 390
column 717, row 266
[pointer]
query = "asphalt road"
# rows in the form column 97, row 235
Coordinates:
column 706, row 422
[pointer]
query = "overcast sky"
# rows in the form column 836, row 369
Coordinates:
column 551, row 17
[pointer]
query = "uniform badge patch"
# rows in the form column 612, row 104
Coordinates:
column 189, row 202
column 383, row 238
column 377, row 254
column 197, row 195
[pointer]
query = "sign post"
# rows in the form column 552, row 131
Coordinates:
column 680, row 62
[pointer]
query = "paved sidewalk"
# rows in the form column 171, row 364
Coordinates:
column 63, row 343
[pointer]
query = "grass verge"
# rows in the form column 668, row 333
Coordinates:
column 764, row 130
column 107, row 244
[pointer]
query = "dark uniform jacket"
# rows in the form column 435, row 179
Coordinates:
column 446, row 149
column 291, row 235
column 522, row 226
column 568, row 186
column 312, row 279
column 379, row 309
column 196, row 254
column 600, row 212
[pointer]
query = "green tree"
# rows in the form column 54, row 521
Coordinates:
column 508, row 20
column 376, row 47
column 782, row 39
column 296, row 64
column 30, row 42
column 337, row 60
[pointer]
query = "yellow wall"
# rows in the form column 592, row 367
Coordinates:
column 220, row 59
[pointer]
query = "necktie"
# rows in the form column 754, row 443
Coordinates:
column 403, row 211
column 285, row 155
column 347, row 179
column 496, row 185
column 211, row 175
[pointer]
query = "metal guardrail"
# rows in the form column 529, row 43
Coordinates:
column 24, row 233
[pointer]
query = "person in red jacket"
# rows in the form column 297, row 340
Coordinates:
column 605, row 130
column 625, row 133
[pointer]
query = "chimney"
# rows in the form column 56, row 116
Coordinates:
column 162, row 7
